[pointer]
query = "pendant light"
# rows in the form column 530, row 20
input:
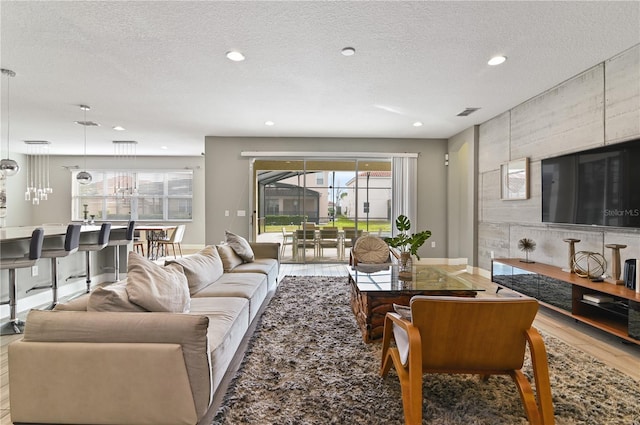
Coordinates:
column 84, row 177
column 8, row 166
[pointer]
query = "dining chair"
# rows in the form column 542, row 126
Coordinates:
column 287, row 240
column 492, row 340
column 174, row 239
column 12, row 263
column 305, row 239
column 328, row 238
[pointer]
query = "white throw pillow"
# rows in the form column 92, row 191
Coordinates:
column 230, row 259
column 157, row 288
column 240, row 246
column 201, row 268
column 112, row 298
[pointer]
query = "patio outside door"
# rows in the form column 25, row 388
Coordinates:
column 316, row 207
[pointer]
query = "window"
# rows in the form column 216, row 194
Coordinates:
column 160, row 196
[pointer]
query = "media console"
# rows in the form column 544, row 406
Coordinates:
column 611, row 308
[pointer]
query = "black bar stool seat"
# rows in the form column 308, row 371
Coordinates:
column 15, row 325
column 89, row 243
column 55, row 248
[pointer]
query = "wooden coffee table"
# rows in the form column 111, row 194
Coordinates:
column 374, row 290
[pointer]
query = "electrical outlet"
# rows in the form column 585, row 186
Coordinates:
column 226, row 213
column 34, row 271
column 433, row 244
column 492, row 255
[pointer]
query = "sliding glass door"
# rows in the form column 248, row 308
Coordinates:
column 314, row 207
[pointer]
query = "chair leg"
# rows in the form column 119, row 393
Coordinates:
column 179, row 249
column 54, row 282
column 14, row 325
column 116, row 262
column 88, row 257
column 541, row 376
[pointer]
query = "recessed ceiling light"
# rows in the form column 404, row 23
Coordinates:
column 164, row 148
column 417, row 124
column 235, row 56
column 348, row 51
column 269, row 123
column 118, row 128
column 497, row 60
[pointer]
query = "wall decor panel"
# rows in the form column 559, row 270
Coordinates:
column 564, row 119
column 622, row 96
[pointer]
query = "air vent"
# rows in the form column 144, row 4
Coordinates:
column 467, row 111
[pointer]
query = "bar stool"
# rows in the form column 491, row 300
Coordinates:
column 54, row 249
column 15, row 325
column 89, row 243
column 116, row 239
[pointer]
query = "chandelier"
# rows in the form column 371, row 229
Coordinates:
column 84, row 177
column 125, row 180
column 8, row 166
column 38, row 187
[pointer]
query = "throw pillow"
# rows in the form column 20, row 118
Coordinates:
column 371, row 249
column 201, row 268
column 157, row 288
column 112, row 298
column 240, row 246
column 230, row 259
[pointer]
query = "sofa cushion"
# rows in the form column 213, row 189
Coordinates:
column 229, row 258
column 267, row 266
column 228, row 323
column 251, row 286
column 240, row 246
column 157, row 288
column 201, row 268
column 112, row 298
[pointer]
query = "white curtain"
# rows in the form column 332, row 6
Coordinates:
column 405, row 189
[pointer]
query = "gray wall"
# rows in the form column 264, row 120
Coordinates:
column 597, row 107
column 227, row 176
column 462, row 192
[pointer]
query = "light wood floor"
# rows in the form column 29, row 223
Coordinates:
column 610, row 350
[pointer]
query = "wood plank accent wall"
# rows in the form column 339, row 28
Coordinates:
column 599, row 106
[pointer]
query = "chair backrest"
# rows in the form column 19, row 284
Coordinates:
column 329, row 233
column 309, row 226
column 103, row 236
column 178, row 234
column 131, row 227
column 35, row 246
column 72, row 238
column 305, row 234
column 472, row 333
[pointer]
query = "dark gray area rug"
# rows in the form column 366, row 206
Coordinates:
column 307, row 364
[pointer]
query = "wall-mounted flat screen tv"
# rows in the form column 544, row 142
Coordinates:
column 598, row 187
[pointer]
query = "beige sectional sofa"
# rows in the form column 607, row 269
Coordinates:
column 103, row 359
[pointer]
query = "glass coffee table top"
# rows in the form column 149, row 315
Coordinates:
column 424, row 278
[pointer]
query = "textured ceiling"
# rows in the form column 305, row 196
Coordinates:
column 159, row 68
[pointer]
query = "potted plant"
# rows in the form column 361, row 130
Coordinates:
column 407, row 243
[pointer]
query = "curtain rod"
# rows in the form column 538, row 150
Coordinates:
column 287, row 154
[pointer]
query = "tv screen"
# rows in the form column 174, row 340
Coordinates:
column 596, row 187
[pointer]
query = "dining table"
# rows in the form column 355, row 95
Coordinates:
column 153, row 233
